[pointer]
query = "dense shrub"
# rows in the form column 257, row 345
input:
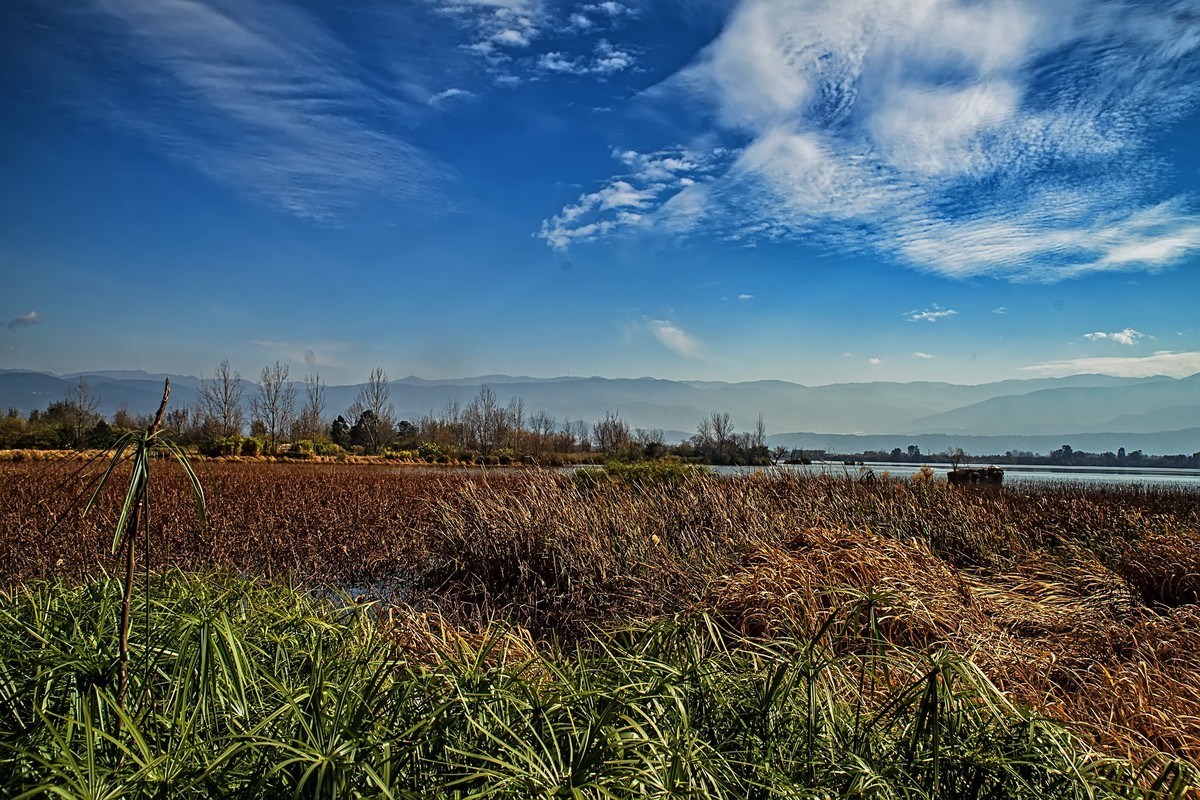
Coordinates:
column 254, row 446
column 221, row 446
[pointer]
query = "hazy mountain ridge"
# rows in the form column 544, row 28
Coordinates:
column 1085, row 410
column 1154, row 409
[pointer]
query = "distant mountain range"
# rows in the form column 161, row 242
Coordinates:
column 1158, row 415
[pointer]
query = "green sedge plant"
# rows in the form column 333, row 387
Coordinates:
column 138, row 447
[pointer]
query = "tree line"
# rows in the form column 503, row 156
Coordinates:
column 1064, row 456
column 292, row 419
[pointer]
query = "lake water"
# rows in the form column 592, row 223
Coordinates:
column 1013, row 473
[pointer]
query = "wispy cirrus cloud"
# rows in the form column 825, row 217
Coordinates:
column 449, row 95
column 996, row 138
column 25, row 320
column 259, row 96
column 1128, row 337
column 922, row 356
column 1164, row 362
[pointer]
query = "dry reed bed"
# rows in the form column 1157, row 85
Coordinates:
column 1079, row 602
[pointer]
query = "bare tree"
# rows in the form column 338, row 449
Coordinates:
column 310, row 423
column 514, row 421
column 485, row 421
column 722, row 430
column 580, row 431
column 567, row 436
column 702, row 439
column 221, row 398
column 649, row 437
column 275, row 404
column 452, row 419
column 759, row 438
column 178, row 421
column 542, row 425
column 611, row 433
column 80, row 405
column 373, row 412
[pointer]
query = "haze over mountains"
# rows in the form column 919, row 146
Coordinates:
column 1159, row 415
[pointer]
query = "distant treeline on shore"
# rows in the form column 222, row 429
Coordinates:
column 1064, row 456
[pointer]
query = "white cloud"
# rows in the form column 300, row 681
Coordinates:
column 611, row 9
column 609, row 58
column 675, row 338
column 1000, row 310
column 666, row 179
column 605, row 60
column 560, row 62
column 622, row 203
column 930, row 314
column 25, row 320
column 498, row 24
column 874, row 362
column 920, row 355
column 503, row 33
column 966, row 137
column 512, row 37
column 847, row 354
column 745, row 296
column 1127, row 337
column 1172, row 364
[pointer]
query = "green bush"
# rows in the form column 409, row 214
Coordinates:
column 652, row 473
column 329, row 449
column 221, row 446
column 253, row 446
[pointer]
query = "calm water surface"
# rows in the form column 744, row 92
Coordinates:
column 1013, row 473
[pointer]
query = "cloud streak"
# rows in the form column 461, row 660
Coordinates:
column 1007, row 139
column 261, row 97
column 931, row 314
column 1165, row 362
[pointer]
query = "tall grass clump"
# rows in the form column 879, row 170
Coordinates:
column 259, row 690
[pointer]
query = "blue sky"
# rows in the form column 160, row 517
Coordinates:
column 848, row 190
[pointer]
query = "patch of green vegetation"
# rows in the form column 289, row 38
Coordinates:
column 250, row 690
column 641, row 474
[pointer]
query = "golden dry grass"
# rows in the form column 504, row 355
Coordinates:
column 1081, row 603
